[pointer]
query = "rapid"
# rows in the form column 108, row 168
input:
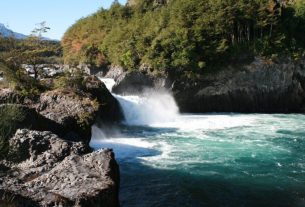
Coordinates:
column 172, row 159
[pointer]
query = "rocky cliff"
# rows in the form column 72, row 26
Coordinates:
column 263, row 86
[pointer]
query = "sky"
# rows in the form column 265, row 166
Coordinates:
column 23, row 15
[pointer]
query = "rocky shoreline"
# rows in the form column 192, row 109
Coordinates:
column 50, row 162
column 262, row 86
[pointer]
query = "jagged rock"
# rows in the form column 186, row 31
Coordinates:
column 68, row 113
column 89, row 69
column 45, row 170
column 74, row 112
column 39, row 151
column 49, row 171
column 109, row 109
column 261, row 86
column 136, row 82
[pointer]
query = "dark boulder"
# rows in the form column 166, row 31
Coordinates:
column 68, row 113
column 109, row 109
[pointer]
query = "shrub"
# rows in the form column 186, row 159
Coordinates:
column 17, row 79
column 11, row 116
column 73, row 81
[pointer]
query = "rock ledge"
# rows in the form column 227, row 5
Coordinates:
column 45, row 170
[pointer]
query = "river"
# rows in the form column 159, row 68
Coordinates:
column 172, row 159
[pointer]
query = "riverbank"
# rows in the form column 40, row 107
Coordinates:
column 46, row 158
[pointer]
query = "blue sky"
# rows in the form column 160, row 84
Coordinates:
column 22, row 15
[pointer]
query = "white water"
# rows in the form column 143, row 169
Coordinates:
column 149, row 108
column 109, row 82
column 158, row 110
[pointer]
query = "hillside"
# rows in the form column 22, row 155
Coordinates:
column 5, row 32
column 187, row 37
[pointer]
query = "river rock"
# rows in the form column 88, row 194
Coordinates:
column 48, row 171
column 77, row 111
column 37, row 151
column 68, row 113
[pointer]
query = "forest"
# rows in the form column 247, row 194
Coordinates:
column 187, row 36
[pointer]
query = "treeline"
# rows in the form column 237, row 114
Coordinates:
column 188, row 36
column 47, row 51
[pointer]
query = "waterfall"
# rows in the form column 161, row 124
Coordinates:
column 109, row 83
column 150, row 108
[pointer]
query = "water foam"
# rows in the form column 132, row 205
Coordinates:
column 109, row 82
column 123, row 146
column 149, row 109
column 207, row 122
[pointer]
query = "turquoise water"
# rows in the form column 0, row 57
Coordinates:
column 211, row 160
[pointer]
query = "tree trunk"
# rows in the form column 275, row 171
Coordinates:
column 35, row 72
